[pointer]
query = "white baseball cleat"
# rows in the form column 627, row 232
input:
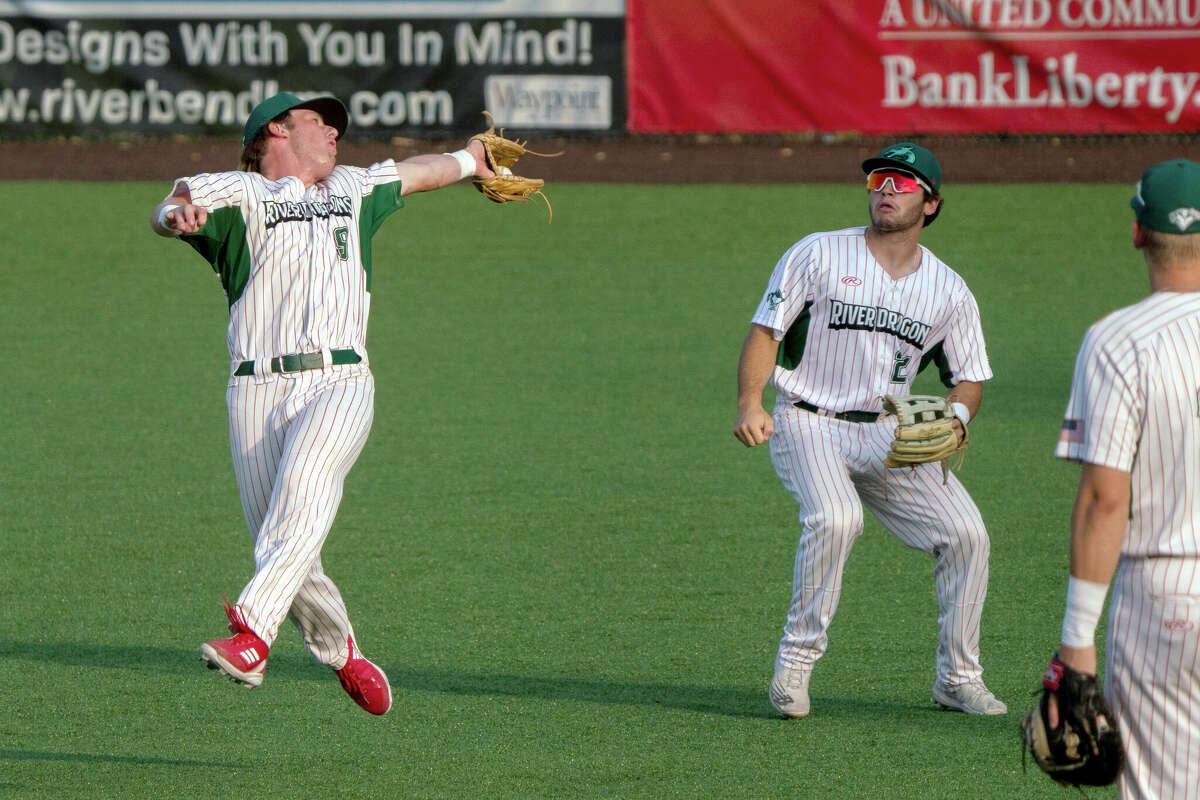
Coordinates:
column 970, row 698
column 789, row 691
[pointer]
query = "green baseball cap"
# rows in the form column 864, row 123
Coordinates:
column 1168, row 197
column 330, row 109
column 910, row 157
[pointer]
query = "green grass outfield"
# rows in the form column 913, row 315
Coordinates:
column 573, row 574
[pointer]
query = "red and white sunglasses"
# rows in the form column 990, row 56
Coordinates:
column 902, row 182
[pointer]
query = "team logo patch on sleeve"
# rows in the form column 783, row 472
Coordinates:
column 1072, row 431
column 774, row 299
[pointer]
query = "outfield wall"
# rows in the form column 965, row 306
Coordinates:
column 425, row 68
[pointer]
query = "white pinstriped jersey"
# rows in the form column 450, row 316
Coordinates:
column 850, row 333
column 295, row 263
column 1135, row 407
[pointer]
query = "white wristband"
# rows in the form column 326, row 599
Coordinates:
column 961, row 411
column 161, row 221
column 466, row 162
column 1085, row 601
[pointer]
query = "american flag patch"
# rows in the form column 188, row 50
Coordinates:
column 1072, row 431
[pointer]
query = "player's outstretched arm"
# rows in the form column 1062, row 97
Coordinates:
column 176, row 215
column 424, row 173
column 754, row 425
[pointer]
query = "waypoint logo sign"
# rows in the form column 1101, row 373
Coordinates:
column 580, row 102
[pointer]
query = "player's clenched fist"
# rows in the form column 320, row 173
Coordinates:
column 186, row 218
column 177, row 215
column 754, row 426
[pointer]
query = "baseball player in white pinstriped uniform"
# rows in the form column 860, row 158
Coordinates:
column 289, row 235
column 1133, row 422
column 848, row 317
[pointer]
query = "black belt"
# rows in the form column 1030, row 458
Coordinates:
column 301, row 361
column 848, row 416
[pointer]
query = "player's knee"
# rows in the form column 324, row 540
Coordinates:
column 837, row 523
column 971, row 538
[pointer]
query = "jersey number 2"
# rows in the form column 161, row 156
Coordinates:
column 341, row 236
column 900, row 368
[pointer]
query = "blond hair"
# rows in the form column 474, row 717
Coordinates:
column 1172, row 250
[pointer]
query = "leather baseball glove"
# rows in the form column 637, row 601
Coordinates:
column 924, row 430
column 1085, row 748
column 501, row 154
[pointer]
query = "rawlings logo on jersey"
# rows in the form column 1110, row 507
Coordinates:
column 877, row 318
column 276, row 212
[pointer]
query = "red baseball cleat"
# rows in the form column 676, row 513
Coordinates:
column 243, row 656
column 365, row 682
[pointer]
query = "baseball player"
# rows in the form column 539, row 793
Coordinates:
column 1133, row 423
column 847, row 317
column 289, row 235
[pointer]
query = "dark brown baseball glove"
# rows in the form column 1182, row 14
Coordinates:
column 1084, row 749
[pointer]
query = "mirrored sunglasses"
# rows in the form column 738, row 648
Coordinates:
column 902, row 182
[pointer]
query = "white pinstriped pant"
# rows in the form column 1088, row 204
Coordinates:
column 1152, row 676
column 833, row 468
column 294, row 438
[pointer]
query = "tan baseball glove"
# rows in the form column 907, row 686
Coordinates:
column 501, row 154
column 924, row 430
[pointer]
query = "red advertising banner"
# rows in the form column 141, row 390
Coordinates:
column 920, row 66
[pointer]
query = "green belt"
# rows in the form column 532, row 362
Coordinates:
column 300, row 362
column 848, row 416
